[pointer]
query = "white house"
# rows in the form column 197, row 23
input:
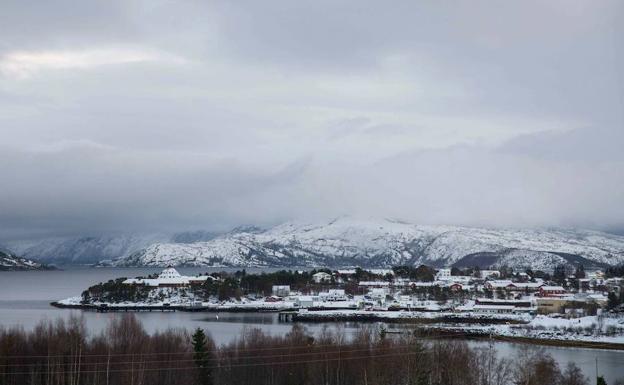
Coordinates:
column 281, row 290
column 596, row 274
column 443, row 275
column 462, row 279
column 378, row 293
column 321, row 277
column 489, row 273
column 333, row 295
column 304, row 301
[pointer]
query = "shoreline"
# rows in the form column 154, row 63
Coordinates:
column 184, row 308
column 426, row 330
column 472, row 334
column 377, row 317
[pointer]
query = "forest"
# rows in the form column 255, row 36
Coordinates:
column 63, row 353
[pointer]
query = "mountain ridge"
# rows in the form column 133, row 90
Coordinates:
column 11, row 262
column 381, row 243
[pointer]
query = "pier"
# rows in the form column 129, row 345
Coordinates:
column 287, row 316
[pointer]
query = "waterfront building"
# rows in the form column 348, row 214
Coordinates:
column 280, row 290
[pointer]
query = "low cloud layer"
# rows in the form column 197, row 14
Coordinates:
column 143, row 116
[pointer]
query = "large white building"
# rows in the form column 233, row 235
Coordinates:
column 168, row 278
column 321, row 277
column 443, row 275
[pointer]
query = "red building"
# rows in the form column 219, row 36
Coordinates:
column 551, row 291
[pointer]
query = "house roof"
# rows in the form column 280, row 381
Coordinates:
column 499, row 283
column 553, row 288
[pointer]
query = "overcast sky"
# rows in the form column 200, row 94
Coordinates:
column 172, row 115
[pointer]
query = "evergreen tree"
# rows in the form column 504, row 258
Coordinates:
column 580, row 272
column 601, row 381
column 613, row 300
column 202, row 357
column 424, row 273
column 559, row 274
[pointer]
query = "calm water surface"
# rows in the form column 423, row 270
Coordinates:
column 25, row 298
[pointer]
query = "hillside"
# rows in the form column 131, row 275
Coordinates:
column 11, row 262
column 94, row 249
column 381, row 243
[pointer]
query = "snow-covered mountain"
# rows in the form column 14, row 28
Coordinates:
column 382, row 243
column 9, row 261
column 83, row 250
column 94, row 249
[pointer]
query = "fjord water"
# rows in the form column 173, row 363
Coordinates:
column 25, row 300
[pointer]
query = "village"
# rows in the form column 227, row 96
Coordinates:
column 565, row 306
column 400, row 292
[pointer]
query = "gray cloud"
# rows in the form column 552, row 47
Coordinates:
column 149, row 116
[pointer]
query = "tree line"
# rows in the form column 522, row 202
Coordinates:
column 62, row 353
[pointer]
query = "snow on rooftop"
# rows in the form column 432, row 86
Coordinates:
column 553, row 288
column 168, row 276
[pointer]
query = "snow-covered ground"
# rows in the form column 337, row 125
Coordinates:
column 411, row 315
column 586, row 329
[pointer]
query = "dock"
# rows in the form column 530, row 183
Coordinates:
column 287, row 316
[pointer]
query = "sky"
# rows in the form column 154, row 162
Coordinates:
column 142, row 116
